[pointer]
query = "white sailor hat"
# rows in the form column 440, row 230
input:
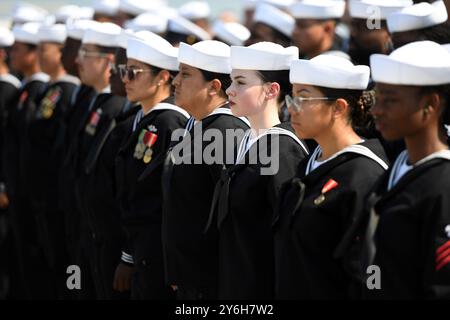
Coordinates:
column 330, row 71
column 6, row 37
column 371, row 9
column 181, row 25
column 195, row 10
column 27, row 32
column 447, row 47
column 280, row 4
column 153, row 50
column 421, row 63
column 25, row 12
column 86, row 13
column 418, row 16
column 136, row 7
column 125, row 36
column 102, row 34
column 338, row 53
column 232, row 33
column 29, row 13
column 318, row 9
column 77, row 28
column 52, row 33
column 106, row 7
column 67, row 12
column 209, row 55
column 249, row 4
column 150, row 21
column 275, row 18
column 263, row 56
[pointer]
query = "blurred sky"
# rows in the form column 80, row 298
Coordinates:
column 217, row 6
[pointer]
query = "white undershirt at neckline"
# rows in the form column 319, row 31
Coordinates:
column 316, row 163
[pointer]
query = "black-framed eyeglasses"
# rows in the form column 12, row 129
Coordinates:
column 296, row 103
column 130, row 73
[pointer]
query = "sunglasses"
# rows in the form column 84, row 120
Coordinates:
column 83, row 53
column 296, row 103
column 130, row 73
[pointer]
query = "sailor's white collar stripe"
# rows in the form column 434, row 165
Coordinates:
column 9, row 78
column 69, row 79
column 159, row 106
column 356, row 148
column 226, row 111
column 403, row 158
column 40, row 76
column 245, row 146
column 169, row 106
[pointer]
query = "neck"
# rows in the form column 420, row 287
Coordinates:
column 149, row 103
column 212, row 105
column 4, row 69
column 32, row 70
column 335, row 140
column 101, row 85
column 324, row 46
column 424, row 143
column 60, row 72
column 266, row 119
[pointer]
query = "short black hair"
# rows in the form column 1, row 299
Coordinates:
column 155, row 70
column 30, row 46
column 279, row 76
column 104, row 49
column 444, row 92
column 224, row 79
column 439, row 33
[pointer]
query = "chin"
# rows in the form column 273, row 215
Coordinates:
column 391, row 136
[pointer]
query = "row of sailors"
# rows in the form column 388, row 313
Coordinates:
column 359, row 28
column 94, row 168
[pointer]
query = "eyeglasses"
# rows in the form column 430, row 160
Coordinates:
column 130, row 73
column 297, row 102
column 83, row 53
column 113, row 68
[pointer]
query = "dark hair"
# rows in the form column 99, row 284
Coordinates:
column 444, row 92
column 282, row 78
column 8, row 55
column 224, row 79
column 279, row 37
column 31, row 46
column 156, row 70
column 359, row 102
column 439, row 33
column 174, row 38
column 104, row 49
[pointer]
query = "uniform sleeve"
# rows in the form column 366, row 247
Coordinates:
column 436, row 249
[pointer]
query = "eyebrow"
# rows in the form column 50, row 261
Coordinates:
column 238, row 77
